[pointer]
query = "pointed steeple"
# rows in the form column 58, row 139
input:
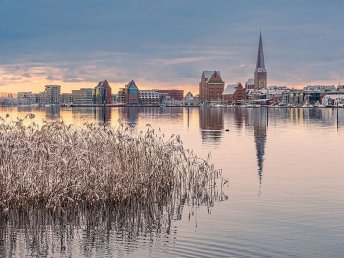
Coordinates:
column 260, row 55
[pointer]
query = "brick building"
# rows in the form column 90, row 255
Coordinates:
column 211, row 86
column 234, row 94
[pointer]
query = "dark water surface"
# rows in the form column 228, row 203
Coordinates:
column 286, row 194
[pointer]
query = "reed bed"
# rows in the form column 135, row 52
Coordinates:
column 58, row 179
column 56, row 166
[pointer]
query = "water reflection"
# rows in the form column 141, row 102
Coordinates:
column 211, row 124
column 258, row 142
column 260, row 122
column 97, row 229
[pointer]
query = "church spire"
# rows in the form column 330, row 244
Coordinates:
column 260, row 55
column 260, row 74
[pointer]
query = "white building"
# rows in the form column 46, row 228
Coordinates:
column 320, row 88
column 188, row 98
column 333, row 99
column 149, row 97
column 23, row 98
column 52, row 94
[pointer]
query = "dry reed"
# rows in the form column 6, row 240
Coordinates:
column 56, row 166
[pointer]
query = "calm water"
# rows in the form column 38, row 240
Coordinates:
column 286, row 195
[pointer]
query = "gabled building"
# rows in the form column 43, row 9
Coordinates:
column 132, row 93
column 234, row 94
column 102, row 93
column 211, row 86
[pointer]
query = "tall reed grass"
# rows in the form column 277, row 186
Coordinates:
column 57, row 165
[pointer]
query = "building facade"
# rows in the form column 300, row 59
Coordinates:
column 23, row 98
column 102, row 93
column 66, row 98
column 211, row 86
column 260, row 74
column 173, row 94
column 132, row 93
column 52, row 94
column 234, row 94
column 149, row 97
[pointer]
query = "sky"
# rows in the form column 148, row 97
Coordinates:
column 167, row 44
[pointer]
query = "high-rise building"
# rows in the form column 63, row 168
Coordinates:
column 52, row 94
column 211, row 86
column 102, row 93
column 260, row 74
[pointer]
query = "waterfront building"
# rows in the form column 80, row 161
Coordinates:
column 102, row 93
column 313, row 94
column 76, row 97
column 234, row 94
column 121, row 95
column 66, row 98
column 188, row 97
column 131, row 93
column 211, row 86
column 37, row 99
column 83, row 96
column 249, row 85
column 260, row 74
column 52, row 94
column 319, row 88
column 87, row 96
column 332, row 100
column 173, row 94
column 149, row 97
column 23, row 98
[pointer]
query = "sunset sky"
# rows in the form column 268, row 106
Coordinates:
column 167, row 44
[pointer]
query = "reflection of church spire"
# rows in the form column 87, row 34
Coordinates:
column 260, row 140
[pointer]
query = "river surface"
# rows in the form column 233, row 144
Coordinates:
column 285, row 198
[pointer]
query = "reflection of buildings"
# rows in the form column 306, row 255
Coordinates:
column 52, row 112
column 102, row 114
column 211, row 123
column 257, row 119
column 129, row 115
column 239, row 116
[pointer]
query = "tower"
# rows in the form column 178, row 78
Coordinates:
column 260, row 74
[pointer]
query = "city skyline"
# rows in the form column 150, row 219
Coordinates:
column 167, row 45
